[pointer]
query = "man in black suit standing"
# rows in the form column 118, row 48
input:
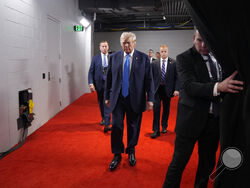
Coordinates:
column 166, row 86
column 96, row 80
column 129, row 90
column 151, row 55
column 201, row 85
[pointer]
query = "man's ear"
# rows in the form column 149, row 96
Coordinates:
column 193, row 39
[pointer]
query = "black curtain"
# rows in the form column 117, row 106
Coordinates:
column 224, row 25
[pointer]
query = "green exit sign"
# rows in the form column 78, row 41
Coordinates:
column 78, row 28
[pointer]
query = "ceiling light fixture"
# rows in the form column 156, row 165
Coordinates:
column 84, row 22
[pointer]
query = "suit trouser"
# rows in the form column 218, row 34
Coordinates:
column 207, row 146
column 105, row 110
column 161, row 95
column 123, row 107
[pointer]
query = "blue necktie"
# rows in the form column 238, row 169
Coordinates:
column 104, row 61
column 104, row 67
column 125, row 78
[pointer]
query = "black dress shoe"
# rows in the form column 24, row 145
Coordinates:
column 102, row 122
column 107, row 128
column 155, row 134
column 164, row 131
column 115, row 162
column 132, row 160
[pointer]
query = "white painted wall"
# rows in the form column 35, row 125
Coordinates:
column 177, row 40
column 23, row 59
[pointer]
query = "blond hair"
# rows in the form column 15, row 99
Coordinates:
column 163, row 46
column 127, row 35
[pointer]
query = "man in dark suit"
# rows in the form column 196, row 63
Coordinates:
column 151, row 55
column 129, row 90
column 201, row 83
column 166, row 86
column 96, row 80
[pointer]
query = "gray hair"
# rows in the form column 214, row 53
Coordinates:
column 127, row 35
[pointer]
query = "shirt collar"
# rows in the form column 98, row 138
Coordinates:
column 165, row 59
column 131, row 54
column 104, row 54
column 205, row 57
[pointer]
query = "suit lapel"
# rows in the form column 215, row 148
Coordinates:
column 99, row 64
column 120, row 65
column 134, row 62
column 159, row 66
column 158, row 69
column 168, row 68
column 100, row 59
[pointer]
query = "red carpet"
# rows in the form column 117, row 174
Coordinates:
column 71, row 150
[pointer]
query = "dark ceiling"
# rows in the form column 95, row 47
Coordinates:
column 118, row 15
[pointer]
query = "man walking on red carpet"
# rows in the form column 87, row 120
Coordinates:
column 96, row 80
column 201, row 83
column 129, row 90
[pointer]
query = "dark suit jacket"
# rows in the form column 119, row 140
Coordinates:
column 152, row 59
column 140, row 80
column 196, row 93
column 95, row 75
column 170, row 79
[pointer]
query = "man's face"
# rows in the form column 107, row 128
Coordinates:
column 104, row 47
column 158, row 55
column 128, row 45
column 150, row 54
column 164, row 52
column 199, row 44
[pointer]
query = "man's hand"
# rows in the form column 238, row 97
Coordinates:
column 92, row 87
column 150, row 105
column 107, row 102
column 230, row 85
column 176, row 93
